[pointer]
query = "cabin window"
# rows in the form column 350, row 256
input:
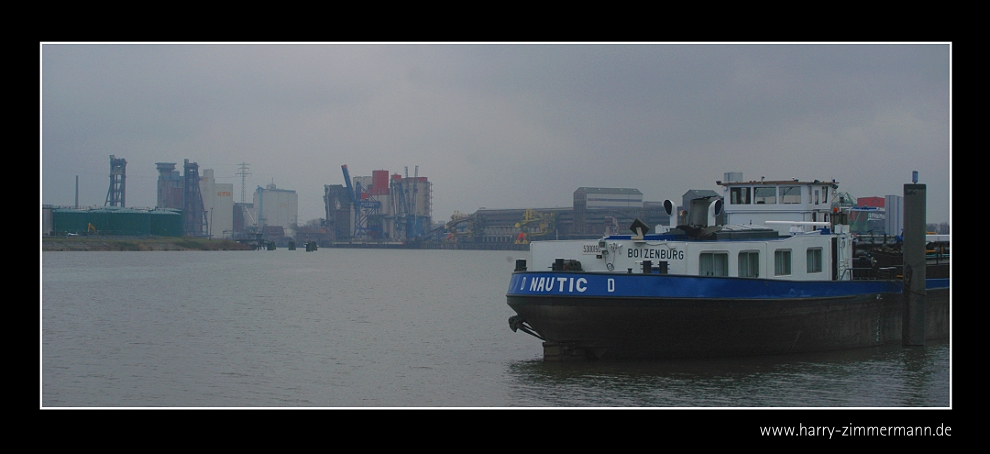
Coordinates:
column 739, row 196
column 713, row 264
column 816, row 196
column 790, row 194
column 782, row 262
column 749, row 264
column 824, row 194
column 766, row 195
column 815, row 260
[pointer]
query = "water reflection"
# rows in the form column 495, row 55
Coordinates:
column 885, row 376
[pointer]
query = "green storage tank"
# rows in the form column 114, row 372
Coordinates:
column 117, row 221
column 69, row 220
column 102, row 220
column 166, row 222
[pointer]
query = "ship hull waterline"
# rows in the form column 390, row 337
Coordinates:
column 668, row 327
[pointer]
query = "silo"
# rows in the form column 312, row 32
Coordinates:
column 166, row 222
column 46, row 220
column 130, row 222
column 69, row 220
column 99, row 218
column 379, row 182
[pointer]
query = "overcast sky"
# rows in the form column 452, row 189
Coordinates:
column 497, row 125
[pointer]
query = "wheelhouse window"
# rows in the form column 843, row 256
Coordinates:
column 782, row 262
column 749, row 264
column 740, row 196
column 713, row 264
column 766, row 196
column 790, row 194
column 815, row 260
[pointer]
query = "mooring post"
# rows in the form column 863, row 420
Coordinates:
column 913, row 332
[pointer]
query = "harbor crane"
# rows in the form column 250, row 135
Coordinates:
column 544, row 223
column 367, row 210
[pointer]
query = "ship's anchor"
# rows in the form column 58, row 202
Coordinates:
column 516, row 322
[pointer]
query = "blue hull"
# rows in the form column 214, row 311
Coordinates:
column 654, row 286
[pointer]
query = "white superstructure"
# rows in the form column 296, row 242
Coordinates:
column 773, row 229
column 755, row 202
column 806, row 257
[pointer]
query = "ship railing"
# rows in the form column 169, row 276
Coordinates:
column 873, row 274
column 937, row 258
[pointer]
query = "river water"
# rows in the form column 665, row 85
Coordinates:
column 387, row 328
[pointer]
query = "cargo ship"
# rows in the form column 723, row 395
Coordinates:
column 780, row 279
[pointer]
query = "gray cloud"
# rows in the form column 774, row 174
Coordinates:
column 498, row 125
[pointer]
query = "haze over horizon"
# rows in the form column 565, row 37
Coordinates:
column 498, row 125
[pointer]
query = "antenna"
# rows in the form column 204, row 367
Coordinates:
column 243, row 173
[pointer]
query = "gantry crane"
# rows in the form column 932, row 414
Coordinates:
column 365, row 209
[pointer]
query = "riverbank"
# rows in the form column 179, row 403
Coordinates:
column 140, row 244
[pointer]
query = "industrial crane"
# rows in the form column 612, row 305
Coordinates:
column 460, row 225
column 364, row 208
column 544, row 222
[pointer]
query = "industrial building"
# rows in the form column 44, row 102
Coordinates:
column 218, row 204
column 338, row 205
column 877, row 215
column 113, row 218
column 188, row 204
column 209, row 210
column 380, row 207
column 207, row 206
column 169, row 186
column 275, row 212
column 395, row 208
column 183, row 193
column 596, row 212
column 597, row 199
column 387, row 208
column 111, row 221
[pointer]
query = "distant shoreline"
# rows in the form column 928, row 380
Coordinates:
column 135, row 243
column 140, row 244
